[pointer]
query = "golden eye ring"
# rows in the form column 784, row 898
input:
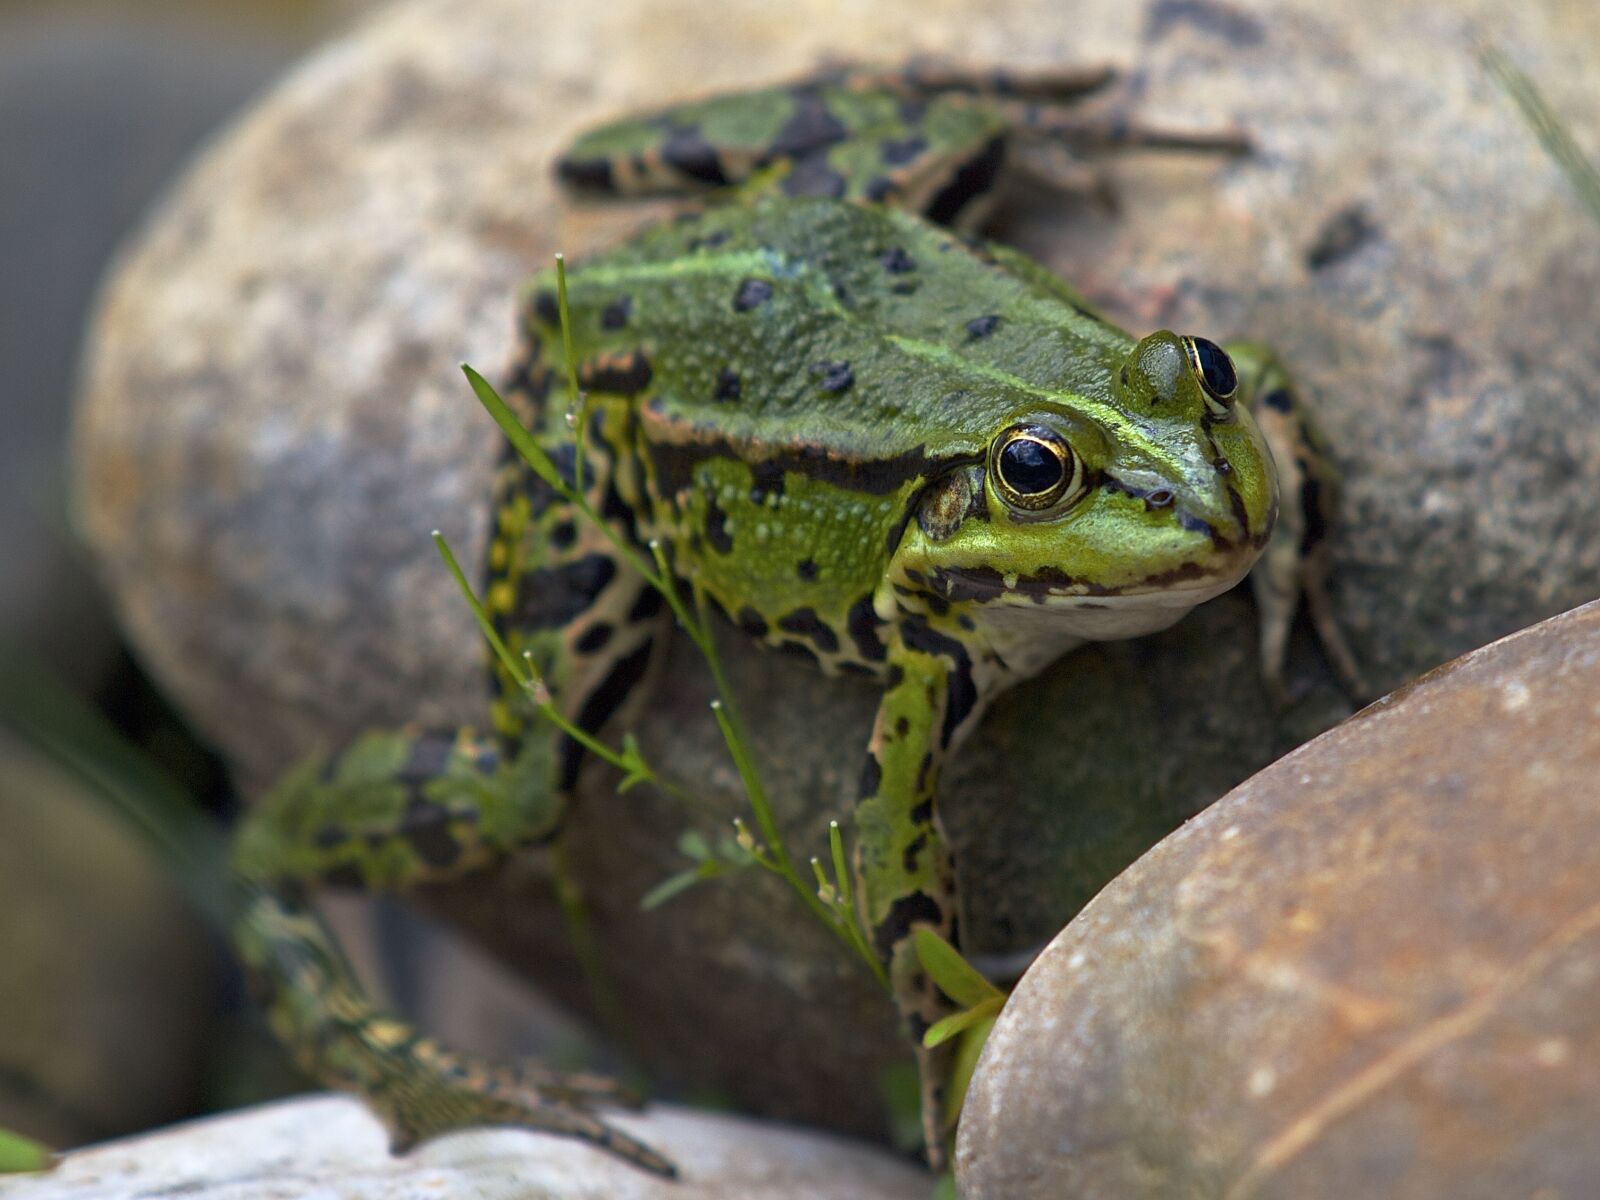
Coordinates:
column 1218, row 377
column 1034, row 469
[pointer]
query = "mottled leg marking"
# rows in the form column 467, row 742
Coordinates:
column 419, row 1089
column 905, row 877
column 1295, row 563
column 394, row 809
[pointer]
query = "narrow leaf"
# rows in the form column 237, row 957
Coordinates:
column 531, row 451
column 951, row 972
column 18, row 1153
column 943, row 1030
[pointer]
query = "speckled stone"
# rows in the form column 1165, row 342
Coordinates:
column 271, row 422
column 328, row 1146
column 1371, row 970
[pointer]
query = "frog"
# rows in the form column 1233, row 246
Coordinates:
column 865, row 435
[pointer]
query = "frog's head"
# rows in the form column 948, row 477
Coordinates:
column 1104, row 515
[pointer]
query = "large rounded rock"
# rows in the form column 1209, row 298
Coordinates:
column 1372, row 970
column 272, row 422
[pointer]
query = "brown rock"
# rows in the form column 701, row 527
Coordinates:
column 272, row 421
column 1371, row 970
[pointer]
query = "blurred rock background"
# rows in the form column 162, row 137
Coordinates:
column 105, row 979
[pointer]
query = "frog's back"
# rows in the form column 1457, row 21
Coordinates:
column 856, row 331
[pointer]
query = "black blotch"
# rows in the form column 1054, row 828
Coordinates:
column 878, row 188
column 709, row 241
column 717, row 527
column 1208, row 16
column 862, row 624
column 342, row 875
column 594, row 638
column 807, row 570
column 552, row 597
column 751, row 622
column 982, row 327
column 728, row 386
column 912, row 852
column 624, row 375
column 564, row 535
column 766, row 479
column 589, row 174
column 1279, row 400
column 1311, row 506
column 812, row 176
column 902, row 726
column 922, row 813
column 602, row 702
column 329, row 836
column 426, row 829
column 871, row 777
column 896, row 261
column 894, row 678
column 912, row 109
column 834, row 376
column 752, row 293
column 615, row 315
column 806, row 623
column 898, row 151
column 918, row 908
column 975, row 177
column 646, row 606
column 688, row 152
column 963, row 692
column 546, row 307
column 810, row 128
column 427, row 757
column 1340, row 236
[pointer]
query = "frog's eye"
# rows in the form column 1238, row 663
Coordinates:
column 1217, row 375
column 1034, row 469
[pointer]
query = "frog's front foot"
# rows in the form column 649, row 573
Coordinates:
column 440, row 1091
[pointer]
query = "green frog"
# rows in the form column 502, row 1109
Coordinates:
column 867, row 437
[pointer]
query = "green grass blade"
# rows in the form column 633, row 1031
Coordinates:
column 948, row 1027
column 532, row 453
column 1547, row 125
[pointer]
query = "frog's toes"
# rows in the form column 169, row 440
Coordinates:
column 453, row 1092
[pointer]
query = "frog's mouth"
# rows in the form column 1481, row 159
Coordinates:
column 1181, row 587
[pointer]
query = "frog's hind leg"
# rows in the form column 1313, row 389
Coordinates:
column 418, row 1088
column 398, row 808
column 1295, row 562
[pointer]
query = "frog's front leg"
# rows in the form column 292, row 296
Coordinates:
column 904, row 875
column 1295, row 563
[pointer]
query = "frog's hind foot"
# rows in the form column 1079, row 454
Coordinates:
column 442, row 1091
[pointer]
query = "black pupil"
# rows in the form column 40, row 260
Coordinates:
column 1216, row 368
column 1029, row 468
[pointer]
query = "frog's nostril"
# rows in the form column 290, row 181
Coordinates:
column 1161, row 498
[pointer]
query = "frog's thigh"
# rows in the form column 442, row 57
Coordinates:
column 1295, row 561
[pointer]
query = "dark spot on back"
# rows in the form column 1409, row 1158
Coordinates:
column 834, row 376
column 615, row 314
column 871, row 777
column 546, row 307
column 728, row 385
column 623, row 374
column 752, row 293
column 647, row 605
column 982, row 327
column 862, row 624
column 1279, row 400
column 896, row 261
column 751, row 622
column 564, row 535
column 602, row 702
column 766, row 479
column 807, row 570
